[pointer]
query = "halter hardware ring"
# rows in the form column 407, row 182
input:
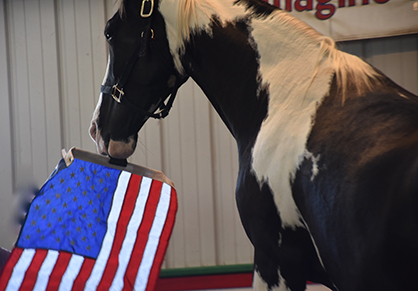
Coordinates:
column 117, row 93
column 142, row 13
column 162, row 113
column 152, row 33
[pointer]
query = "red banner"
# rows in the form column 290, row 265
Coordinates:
column 355, row 19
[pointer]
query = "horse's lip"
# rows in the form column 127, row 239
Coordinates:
column 120, row 149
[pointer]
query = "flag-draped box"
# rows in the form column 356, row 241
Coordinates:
column 93, row 226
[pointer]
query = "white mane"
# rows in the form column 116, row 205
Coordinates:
column 349, row 69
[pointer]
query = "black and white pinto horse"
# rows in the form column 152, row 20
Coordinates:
column 328, row 146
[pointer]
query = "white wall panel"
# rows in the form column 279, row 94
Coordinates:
column 52, row 61
column 50, row 65
column 85, row 71
column 6, row 161
column 36, row 95
column 69, row 70
column 20, row 87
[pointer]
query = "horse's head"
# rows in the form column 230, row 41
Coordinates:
column 140, row 76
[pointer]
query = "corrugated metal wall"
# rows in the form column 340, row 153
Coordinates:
column 52, row 61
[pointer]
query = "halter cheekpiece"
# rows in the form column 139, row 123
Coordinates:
column 116, row 90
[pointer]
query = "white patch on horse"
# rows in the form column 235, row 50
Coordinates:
column 288, row 61
column 315, row 170
column 259, row 284
column 94, row 130
column 97, row 110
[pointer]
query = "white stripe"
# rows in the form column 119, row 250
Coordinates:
column 73, row 269
column 46, row 270
column 99, row 266
column 19, row 270
column 131, row 233
column 154, row 238
column 293, row 101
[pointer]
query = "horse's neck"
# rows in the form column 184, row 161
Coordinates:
column 291, row 62
column 286, row 56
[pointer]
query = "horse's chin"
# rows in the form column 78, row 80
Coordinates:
column 121, row 149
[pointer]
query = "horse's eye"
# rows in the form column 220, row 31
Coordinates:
column 108, row 36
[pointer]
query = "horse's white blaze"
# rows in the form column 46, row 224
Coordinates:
column 99, row 103
column 288, row 62
column 94, row 131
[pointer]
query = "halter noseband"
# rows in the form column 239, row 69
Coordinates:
column 116, row 90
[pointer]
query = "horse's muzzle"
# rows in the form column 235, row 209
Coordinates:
column 121, row 149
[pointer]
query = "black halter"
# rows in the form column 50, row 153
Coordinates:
column 141, row 50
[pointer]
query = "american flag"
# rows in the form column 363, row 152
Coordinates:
column 92, row 227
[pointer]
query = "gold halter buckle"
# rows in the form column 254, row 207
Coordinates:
column 145, row 15
column 117, row 93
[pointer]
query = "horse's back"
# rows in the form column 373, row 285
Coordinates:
column 359, row 196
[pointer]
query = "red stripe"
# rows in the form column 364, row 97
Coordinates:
column 205, row 282
column 58, row 271
column 164, row 238
column 125, row 215
column 84, row 274
column 31, row 274
column 142, row 235
column 8, row 268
